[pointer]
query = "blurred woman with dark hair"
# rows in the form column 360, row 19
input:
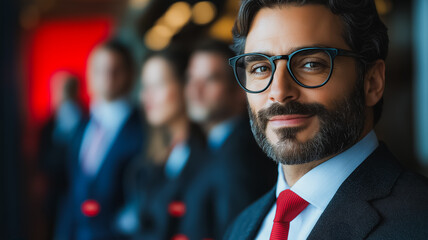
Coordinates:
column 157, row 180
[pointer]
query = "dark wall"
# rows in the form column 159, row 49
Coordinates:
column 10, row 160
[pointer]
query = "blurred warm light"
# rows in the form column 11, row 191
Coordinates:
column 163, row 22
column 138, row 4
column 178, row 14
column 203, row 12
column 29, row 17
column 383, row 6
column 157, row 38
column 162, row 31
column 222, row 28
column 232, row 6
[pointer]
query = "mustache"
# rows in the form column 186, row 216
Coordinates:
column 276, row 109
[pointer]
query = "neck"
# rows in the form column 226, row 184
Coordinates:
column 293, row 173
column 210, row 125
column 179, row 129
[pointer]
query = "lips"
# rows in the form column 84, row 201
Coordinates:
column 290, row 120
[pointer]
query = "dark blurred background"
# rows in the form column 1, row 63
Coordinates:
column 39, row 38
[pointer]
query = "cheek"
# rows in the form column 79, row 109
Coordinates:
column 218, row 95
column 172, row 101
column 166, row 104
column 120, row 81
column 342, row 82
column 154, row 104
column 256, row 101
column 212, row 92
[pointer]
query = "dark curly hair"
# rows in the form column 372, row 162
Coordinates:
column 364, row 32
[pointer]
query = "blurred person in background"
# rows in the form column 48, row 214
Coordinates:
column 55, row 138
column 102, row 147
column 227, row 184
column 158, row 179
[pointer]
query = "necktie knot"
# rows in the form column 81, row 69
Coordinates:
column 288, row 206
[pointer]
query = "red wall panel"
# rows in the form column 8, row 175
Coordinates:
column 61, row 45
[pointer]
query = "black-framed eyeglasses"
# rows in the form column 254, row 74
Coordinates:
column 309, row 67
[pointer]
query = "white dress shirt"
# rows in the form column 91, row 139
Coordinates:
column 177, row 160
column 318, row 187
column 111, row 116
column 218, row 134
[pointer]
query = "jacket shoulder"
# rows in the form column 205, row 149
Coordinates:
column 248, row 222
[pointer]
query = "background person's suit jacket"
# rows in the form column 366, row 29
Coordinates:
column 157, row 194
column 106, row 187
column 237, row 175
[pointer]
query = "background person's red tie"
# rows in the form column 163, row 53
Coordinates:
column 288, row 206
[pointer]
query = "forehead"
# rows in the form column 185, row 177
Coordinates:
column 207, row 62
column 103, row 56
column 155, row 66
column 279, row 29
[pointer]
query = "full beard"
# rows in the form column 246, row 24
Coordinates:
column 340, row 128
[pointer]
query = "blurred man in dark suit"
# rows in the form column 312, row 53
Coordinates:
column 314, row 73
column 103, row 146
column 55, row 138
column 227, row 184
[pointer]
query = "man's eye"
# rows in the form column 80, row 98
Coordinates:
column 260, row 69
column 312, row 65
column 315, row 66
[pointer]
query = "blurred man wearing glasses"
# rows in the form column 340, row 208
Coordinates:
column 314, row 73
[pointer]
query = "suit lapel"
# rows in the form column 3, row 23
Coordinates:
column 119, row 148
column 345, row 218
column 258, row 211
column 350, row 214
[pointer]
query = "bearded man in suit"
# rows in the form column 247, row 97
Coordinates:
column 314, row 73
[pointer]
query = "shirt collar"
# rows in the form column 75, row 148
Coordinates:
column 319, row 185
column 111, row 114
column 177, row 160
column 221, row 132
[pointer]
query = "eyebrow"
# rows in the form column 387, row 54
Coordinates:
column 252, row 58
column 268, row 53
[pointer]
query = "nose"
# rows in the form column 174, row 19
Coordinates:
column 283, row 88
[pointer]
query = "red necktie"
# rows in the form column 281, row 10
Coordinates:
column 288, row 206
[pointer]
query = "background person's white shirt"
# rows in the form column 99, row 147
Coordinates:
column 219, row 134
column 111, row 116
column 318, row 187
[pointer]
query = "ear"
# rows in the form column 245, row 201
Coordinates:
column 374, row 83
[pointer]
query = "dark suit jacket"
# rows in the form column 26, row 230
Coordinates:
column 106, row 187
column 379, row 200
column 158, row 192
column 237, row 174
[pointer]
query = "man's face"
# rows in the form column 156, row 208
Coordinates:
column 296, row 125
column 108, row 75
column 209, row 90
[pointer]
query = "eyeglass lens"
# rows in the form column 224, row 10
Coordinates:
column 310, row 68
